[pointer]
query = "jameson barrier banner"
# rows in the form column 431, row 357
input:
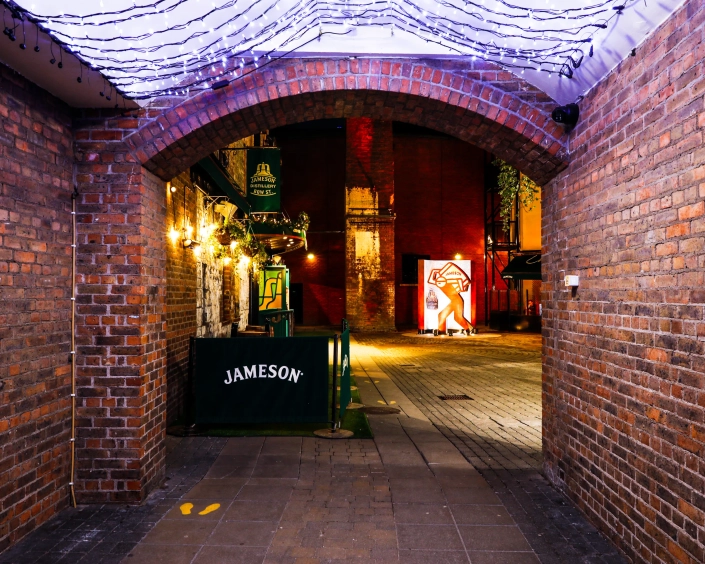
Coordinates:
column 344, row 371
column 262, row 380
column 264, row 179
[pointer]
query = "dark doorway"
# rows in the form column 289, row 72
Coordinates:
column 410, row 267
column 296, row 301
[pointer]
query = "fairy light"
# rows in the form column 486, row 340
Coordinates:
column 138, row 64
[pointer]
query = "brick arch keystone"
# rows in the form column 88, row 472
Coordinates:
column 477, row 102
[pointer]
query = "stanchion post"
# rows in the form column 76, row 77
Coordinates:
column 190, row 408
column 335, row 373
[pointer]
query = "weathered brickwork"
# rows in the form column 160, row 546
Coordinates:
column 624, row 357
column 369, row 224
column 203, row 294
column 481, row 104
column 121, row 315
column 36, row 168
column 180, row 296
column 444, row 173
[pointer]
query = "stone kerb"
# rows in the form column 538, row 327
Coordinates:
column 479, row 103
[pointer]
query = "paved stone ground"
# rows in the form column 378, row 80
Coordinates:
column 500, row 427
column 410, row 495
column 498, row 430
column 280, row 499
column 104, row 534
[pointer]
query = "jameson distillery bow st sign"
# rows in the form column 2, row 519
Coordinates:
column 261, row 380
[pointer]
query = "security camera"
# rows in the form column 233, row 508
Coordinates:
column 566, row 115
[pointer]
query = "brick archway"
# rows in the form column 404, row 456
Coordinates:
column 122, row 162
column 483, row 105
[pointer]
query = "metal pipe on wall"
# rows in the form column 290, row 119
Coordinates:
column 74, row 197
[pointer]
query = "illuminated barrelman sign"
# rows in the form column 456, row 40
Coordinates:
column 446, row 295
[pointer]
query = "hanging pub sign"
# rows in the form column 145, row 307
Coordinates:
column 446, row 295
column 263, row 179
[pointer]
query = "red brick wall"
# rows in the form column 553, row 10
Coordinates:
column 121, row 314
column 313, row 176
column 369, row 231
column 180, row 297
column 624, row 358
column 444, row 173
column 439, row 199
column 477, row 102
column 151, row 418
column 369, row 158
column 36, row 168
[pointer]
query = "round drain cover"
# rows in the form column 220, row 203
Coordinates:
column 379, row 409
column 354, row 406
column 333, row 434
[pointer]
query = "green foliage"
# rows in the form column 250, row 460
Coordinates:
column 513, row 186
column 246, row 244
column 302, row 222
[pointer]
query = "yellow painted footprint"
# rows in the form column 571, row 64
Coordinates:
column 187, row 507
column 210, row 509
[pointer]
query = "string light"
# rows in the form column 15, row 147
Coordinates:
column 164, row 62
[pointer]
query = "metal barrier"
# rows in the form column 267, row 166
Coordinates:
column 255, row 380
column 250, row 380
column 279, row 323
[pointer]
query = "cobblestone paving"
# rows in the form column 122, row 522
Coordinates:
column 500, row 427
column 104, row 534
column 498, row 430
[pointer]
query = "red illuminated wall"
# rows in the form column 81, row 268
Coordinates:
column 313, row 174
column 439, row 206
column 369, row 186
column 438, row 199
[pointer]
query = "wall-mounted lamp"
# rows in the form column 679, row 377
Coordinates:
column 310, row 256
column 189, row 241
column 567, row 115
column 458, row 256
column 171, row 187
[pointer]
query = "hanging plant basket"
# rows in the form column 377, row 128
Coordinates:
column 224, row 238
column 513, row 186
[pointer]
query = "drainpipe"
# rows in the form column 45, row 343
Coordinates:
column 74, row 196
